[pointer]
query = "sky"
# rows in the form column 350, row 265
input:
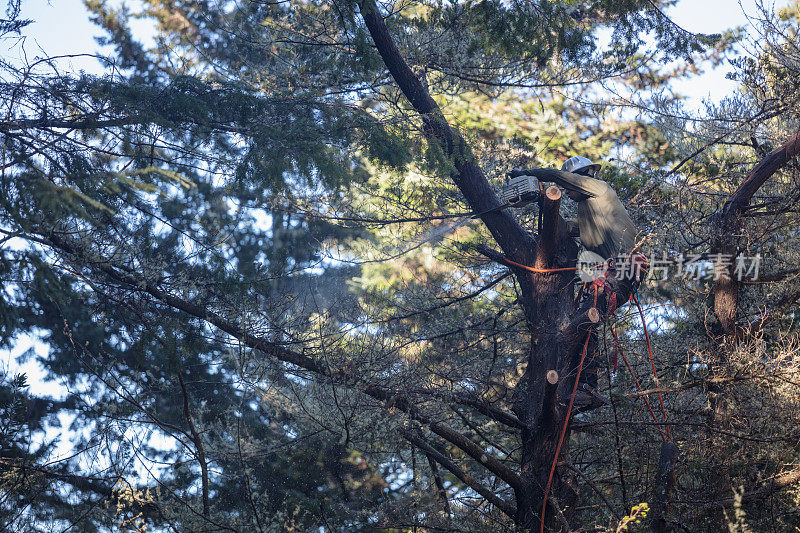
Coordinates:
column 63, row 27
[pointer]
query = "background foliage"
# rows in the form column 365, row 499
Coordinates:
column 236, row 234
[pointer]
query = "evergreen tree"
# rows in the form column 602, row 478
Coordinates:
column 250, row 251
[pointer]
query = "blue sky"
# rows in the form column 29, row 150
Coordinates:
column 63, row 27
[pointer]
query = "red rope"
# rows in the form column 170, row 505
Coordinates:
column 636, row 381
column 653, row 365
column 566, row 421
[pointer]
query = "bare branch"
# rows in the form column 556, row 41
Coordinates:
column 460, row 473
column 466, row 173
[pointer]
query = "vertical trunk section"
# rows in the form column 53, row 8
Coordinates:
column 559, row 333
column 665, row 479
column 539, row 403
column 548, row 304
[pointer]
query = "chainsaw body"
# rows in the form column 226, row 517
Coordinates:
column 519, row 191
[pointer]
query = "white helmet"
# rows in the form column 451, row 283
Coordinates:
column 577, row 163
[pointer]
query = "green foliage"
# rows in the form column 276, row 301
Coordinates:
column 256, row 174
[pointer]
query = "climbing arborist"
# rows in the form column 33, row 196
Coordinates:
column 604, row 225
column 604, row 228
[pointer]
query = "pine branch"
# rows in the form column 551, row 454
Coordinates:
column 389, row 399
column 460, row 473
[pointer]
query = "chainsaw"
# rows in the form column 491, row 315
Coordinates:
column 519, row 189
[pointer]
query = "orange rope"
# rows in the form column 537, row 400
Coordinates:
column 538, row 270
column 636, row 381
column 653, row 364
column 566, row 421
column 545, row 270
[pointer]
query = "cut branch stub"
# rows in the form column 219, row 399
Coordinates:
column 552, row 377
column 553, row 193
column 581, row 323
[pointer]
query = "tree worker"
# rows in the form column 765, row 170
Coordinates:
column 604, row 227
column 603, row 222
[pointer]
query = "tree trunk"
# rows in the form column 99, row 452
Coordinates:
column 558, row 331
column 665, row 480
column 548, row 302
column 726, row 229
column 539, row 404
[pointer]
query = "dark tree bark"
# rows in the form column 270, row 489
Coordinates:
column 665, row 479
column 727, row 224
column 466, row 174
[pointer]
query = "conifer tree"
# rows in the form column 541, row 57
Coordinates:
column 250, row 250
